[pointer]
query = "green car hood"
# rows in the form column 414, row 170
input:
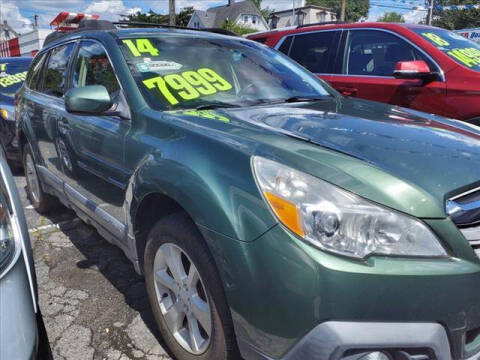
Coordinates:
column 439, row 155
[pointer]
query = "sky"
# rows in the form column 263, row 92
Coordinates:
column 19, row 13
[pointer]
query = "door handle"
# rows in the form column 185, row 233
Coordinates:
column 63, row 126
column 347, row 91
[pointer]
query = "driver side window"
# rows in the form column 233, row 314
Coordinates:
column 375, row 53
column 94, row 68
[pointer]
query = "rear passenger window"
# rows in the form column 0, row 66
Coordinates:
column 285, row 46
column 93, row 68
column 315, row 50
column 56, row 72
column 371, row 52
column 35, row 71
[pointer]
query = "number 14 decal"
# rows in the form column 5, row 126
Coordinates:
column 189, row 85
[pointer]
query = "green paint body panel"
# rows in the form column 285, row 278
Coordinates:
column 279, row 287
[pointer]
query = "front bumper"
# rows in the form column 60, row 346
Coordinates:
column 290, row 300
column 18, row 322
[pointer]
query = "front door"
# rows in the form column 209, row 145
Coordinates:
column 368, row 64
column 92, row 146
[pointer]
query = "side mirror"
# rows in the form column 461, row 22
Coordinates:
column 417, row 69
column 92, row 99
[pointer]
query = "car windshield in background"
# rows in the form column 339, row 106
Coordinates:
column 179, row 72
column 12, row 75
column 462, row 50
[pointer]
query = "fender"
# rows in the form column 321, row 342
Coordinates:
column 214, row 199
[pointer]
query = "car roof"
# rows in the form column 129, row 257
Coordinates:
column 333, row 26
column 62, row 37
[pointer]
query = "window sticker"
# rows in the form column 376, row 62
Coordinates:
column 188, row 85
column 149, row 65
column 436, row 39
column 138, row 47
column 3, row 69
column 9, row 80
column 206, row 114
column 469, row 56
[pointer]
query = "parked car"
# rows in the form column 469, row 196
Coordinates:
column 12, row 74
column 416, row 66
column 271, row 216
column 18, row 287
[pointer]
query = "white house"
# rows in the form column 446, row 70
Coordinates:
column 304, row 15
column 243, row 13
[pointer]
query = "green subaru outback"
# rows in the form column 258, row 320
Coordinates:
column 272, row 217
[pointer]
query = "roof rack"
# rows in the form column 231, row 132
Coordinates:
column 147, row 24
column 322, row 23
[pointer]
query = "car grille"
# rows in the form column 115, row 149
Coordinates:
column 464, row 210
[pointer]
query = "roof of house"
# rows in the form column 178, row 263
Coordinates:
column 216, row 16
column 316, row 7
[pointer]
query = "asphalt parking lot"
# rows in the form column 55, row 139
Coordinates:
column 94, row 305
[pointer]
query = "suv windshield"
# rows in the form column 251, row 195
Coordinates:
column 178, row 72
column 12, row 75
column 462, row 50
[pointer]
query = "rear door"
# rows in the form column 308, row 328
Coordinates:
column 47, row 108
column 367, row 72
column 314, row 50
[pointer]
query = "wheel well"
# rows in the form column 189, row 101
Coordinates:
column 152, row 208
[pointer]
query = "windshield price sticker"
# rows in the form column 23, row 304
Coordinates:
column 206, row 114
column 9, row 80
column 149, row 65
column 469, row 56
column 138, row 47
column 188, row 85
column 436, row 39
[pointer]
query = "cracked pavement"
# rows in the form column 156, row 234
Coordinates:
column 94, row 304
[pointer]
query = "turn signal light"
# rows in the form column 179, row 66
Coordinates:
column 287, row 213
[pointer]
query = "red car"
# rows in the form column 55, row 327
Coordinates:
column 416, row 66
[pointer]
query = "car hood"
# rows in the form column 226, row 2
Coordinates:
column 441, row 156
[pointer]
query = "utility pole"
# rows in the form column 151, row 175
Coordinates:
column 171, row 12
column 342, row 11
column 293, row 12
column 430, row 13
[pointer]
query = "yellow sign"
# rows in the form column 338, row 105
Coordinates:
column 141, row 46
column 188, row 85
column 9, row 80
column 468, row 56
column 436, row 39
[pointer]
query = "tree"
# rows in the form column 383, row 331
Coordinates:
column 456, row 19
column 266, row 12
column 355, row 9
column 392, row 17
column 237, row 29
column 182, row 18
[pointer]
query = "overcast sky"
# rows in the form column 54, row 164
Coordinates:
column 19, row 13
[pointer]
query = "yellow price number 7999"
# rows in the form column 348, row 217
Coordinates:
column 188, row 85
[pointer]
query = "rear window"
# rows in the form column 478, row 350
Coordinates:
column 12, row 74
column 464, row 51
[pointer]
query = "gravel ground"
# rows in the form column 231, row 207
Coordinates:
column 94, row 305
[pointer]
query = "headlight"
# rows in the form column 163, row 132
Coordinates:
column 338, row 221
column 7, row 243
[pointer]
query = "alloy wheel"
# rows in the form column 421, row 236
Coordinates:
column 182, row 298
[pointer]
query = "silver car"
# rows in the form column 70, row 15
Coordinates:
column 18, row 288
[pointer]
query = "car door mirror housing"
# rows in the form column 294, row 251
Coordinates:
column 92, row 99
column 417, row 69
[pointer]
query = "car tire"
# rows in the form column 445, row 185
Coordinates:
column 176, row 240
column 41, row 201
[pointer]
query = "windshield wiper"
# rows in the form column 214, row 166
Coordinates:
column 215, row 106
column 292, row 99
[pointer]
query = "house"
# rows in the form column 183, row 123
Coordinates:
column 242, row 13
column 304, row 15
